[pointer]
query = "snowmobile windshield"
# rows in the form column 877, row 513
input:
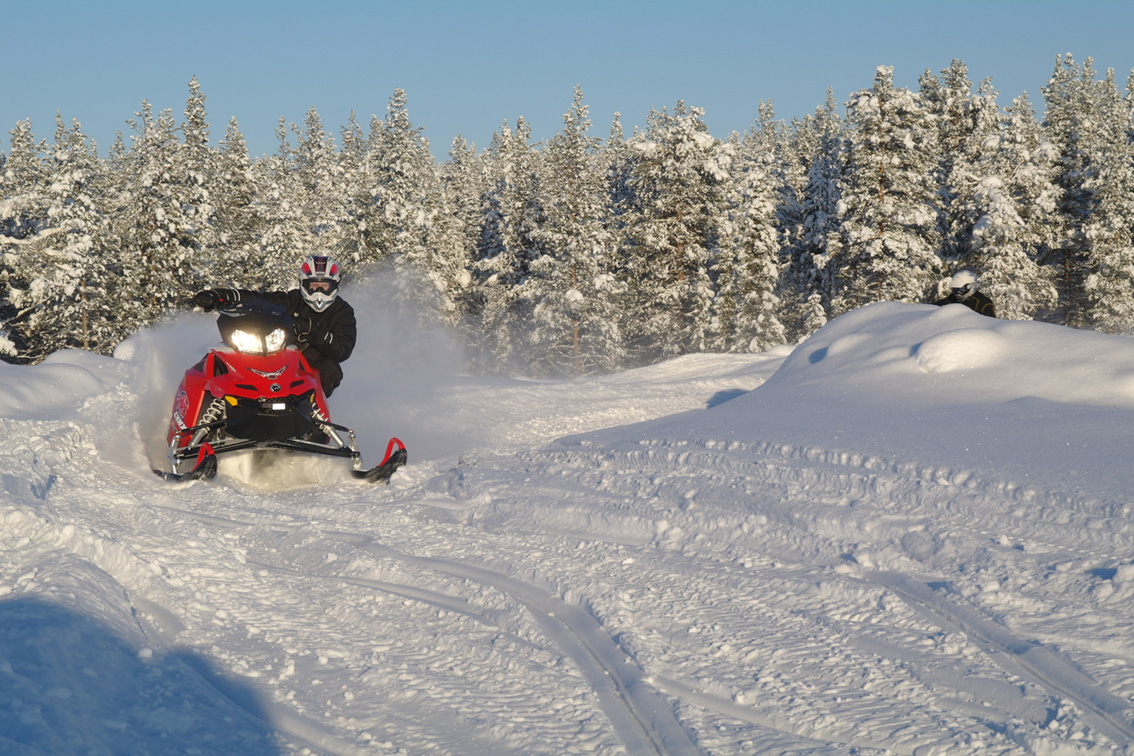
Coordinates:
column 256, row 326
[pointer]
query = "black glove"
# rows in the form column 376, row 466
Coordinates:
column 207, row 300
column 302, row 328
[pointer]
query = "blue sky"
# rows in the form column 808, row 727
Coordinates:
column 468, row 67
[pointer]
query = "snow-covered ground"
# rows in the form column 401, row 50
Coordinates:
column 912, row 534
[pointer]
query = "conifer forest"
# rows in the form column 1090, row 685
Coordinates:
column 596, row 250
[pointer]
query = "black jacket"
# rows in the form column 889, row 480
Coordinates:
column 975, row 301
column 327, row 336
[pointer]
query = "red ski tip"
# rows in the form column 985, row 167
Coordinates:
column 396, row 456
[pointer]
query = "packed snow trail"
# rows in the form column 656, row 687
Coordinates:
column 911, row 534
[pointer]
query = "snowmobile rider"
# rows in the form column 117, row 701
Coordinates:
column 963, row 287
column 324, row 323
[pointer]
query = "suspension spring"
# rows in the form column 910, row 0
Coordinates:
column 212, row 413
column 324, row 424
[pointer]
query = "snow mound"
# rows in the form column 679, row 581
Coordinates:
column 964, row 349
column 58, row 383
column 950, row 354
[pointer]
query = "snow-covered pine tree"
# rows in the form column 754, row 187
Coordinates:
column 967, row 126
column 368, row 237
column 798, row 148
column 781, row 152
column 1068, row 120
column 619, row 160
column 816, row 316
column 23, row 215
column 401, row 208
column 464, row 185
column 746, row 305
column 1014, row 204
column 153, row 238
column 354, row 149
column 807, row 275
column 509, row 242
column 354, row 243
column 889, row 199
column 319, row 175
column 238, row 219
column 286, row 238
column 196, row 174
column 572, row 287
column 67, row 269
column 116, row 157
column 1109, row 229
column 679, row 177
column 23, row 207
column 786, row 150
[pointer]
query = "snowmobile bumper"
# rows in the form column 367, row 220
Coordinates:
column 206, row 453
column 345, row 449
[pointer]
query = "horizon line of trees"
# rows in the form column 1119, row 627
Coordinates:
column 585, row 255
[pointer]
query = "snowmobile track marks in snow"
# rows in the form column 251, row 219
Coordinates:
column 1030, row 659
column 642, row 717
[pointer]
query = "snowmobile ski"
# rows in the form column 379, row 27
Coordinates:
column 381, row 473
column 205, row 469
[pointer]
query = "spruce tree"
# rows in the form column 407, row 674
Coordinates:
column 281, row 196
column 680, row 174
column 319, row 175
column 618, row 166
column 154, row 236
column 1068, row 118
column 1015, row 204
column 747, row 267
column 809, row 275
column 572, row 288
column 509, row 242
column 70, row 270
column 1109, row 229
column 196, row 173
column 354, row 149
column 619, row 161
column 23, row 210
column 403, row 211
column 1089, row 122
column 967, row 126
column 464, row 185
column 239, row 221
column 890, row 243
column 24, row 205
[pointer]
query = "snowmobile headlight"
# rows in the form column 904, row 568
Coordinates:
column 249, row 343
column 275, row 340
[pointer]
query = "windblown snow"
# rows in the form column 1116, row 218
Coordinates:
column 911, row 534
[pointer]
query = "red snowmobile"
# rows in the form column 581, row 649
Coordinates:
column 256, row 391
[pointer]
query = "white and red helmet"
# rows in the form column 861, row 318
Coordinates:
column 319, row 281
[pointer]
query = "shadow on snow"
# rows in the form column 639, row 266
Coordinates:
column 70, row 684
